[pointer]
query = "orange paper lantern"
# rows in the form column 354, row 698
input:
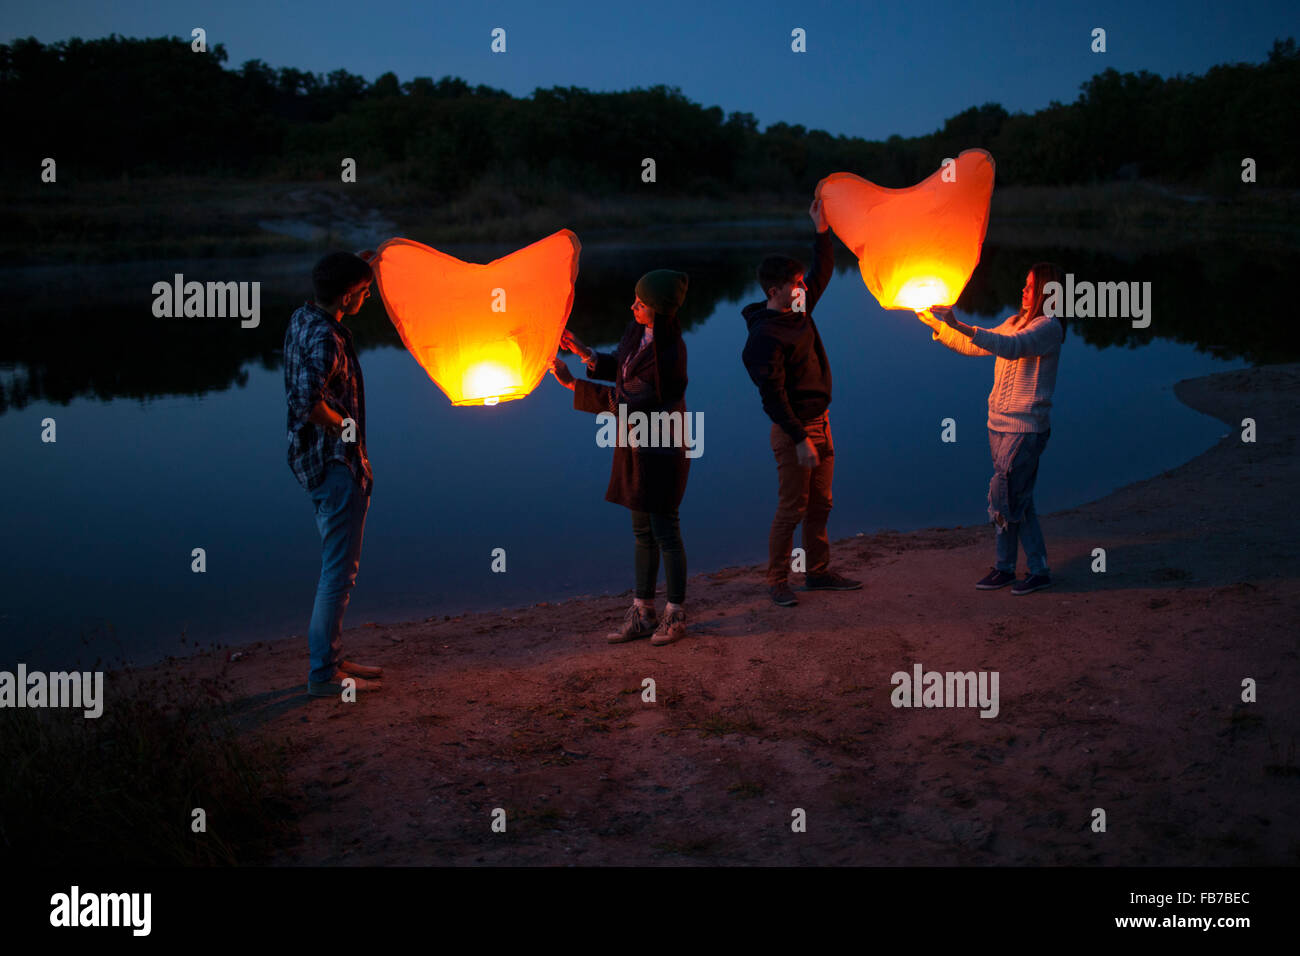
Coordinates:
column 917, row 246
column 484, row 333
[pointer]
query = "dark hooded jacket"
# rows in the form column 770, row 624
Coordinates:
column 643, row 479
column 784, row 354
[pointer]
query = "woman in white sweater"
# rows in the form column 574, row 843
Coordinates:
column 1027, row 347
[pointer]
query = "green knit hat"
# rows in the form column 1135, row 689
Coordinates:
column 663, row 290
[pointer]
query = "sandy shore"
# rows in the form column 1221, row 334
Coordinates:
column 1119, row 691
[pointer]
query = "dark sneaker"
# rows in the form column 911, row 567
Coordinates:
column 334, row 687
column 830, row 582
column 639, row 622
column 1032, row 583
column 782, row 595
column 995, row 579
column 671, row 628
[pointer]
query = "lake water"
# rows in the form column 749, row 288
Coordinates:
column 175, row 441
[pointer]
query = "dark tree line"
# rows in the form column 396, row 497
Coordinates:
column 140, row 107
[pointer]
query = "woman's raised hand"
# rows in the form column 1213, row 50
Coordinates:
column 562, row 373
column 930, row 319
column 944, row 314
column 572, row 343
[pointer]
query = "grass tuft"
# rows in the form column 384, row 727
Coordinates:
column 120, row 789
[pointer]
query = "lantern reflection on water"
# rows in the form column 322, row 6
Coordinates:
column 484, row 333
column 918, row 246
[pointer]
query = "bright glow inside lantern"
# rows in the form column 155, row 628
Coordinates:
column 918, row 246
column 487, row 333
column 921, row 292
column 493, row 372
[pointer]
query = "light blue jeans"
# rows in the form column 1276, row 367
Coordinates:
column 1011, row 498
column 341, row 518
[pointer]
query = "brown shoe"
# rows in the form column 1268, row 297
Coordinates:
column 361, row 670
column 638, row 622
column 671, row 628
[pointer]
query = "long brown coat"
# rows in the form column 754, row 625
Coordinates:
column 643, row 479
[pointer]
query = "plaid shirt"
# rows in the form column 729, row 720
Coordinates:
column 320, row 364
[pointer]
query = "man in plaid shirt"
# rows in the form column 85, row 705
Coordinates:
column 327, row 453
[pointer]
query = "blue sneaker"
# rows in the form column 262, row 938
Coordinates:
column 1032, row 583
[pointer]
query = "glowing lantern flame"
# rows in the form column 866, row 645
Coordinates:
column 494, row 372
column 488, row 333
column 919, row 293
column 918, row 246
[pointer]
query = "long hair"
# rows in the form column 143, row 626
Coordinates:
column 1043, row 273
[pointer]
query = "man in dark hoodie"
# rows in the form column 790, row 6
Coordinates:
column 786, row 360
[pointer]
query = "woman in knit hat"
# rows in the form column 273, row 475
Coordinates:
column 1027, row 347
column 649, row 375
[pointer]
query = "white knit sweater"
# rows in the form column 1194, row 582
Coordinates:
column 1024, row 375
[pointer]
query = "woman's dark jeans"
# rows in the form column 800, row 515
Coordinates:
column 656, row 533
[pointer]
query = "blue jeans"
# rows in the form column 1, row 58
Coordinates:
column 340, row 517
column 1011, row 498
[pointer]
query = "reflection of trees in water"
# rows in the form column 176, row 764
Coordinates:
column 113, row 353
column 602, row 303
column 1228, row 298
column 1225, row 298
column 58, row 357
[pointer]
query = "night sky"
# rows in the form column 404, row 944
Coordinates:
column 870, row 69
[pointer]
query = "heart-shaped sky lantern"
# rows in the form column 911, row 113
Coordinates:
column 484, row 333
column 917, row 246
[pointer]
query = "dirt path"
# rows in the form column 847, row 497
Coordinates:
column 1119, row 691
